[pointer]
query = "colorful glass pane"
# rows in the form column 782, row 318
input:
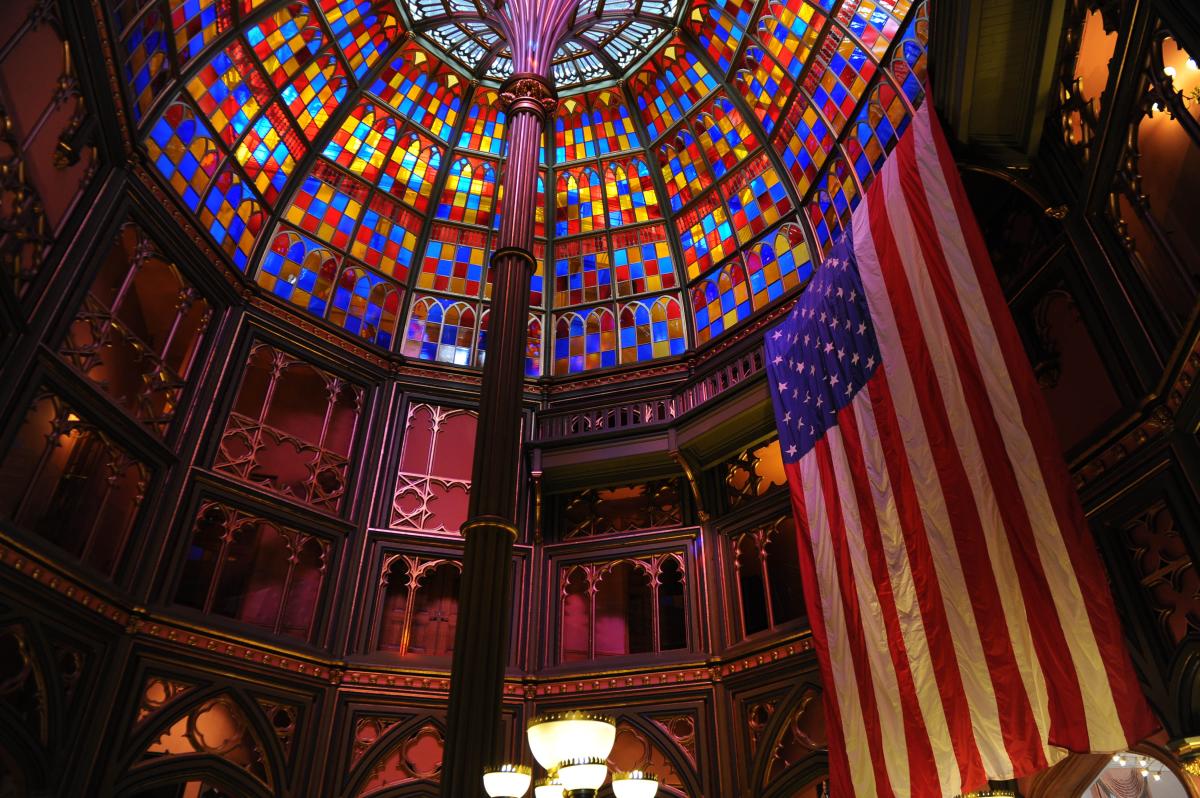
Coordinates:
column 146, row 69
column 683, row 169
column 533, row 346
column 483, row 129
column 366, row 305
column 454, row 261
column 720, row 30
column 705, row 234
column 440, row 329
column 573, row 134
column 908, row 60
column 579, row 207
column 804, row 141
column 196, row 23
column 875, row 130
column 778, row 264
column 387, row 237
column 629, row 193
column 229, row 90
column 363, row 29
column 720, row 302
column 584, row 342
column 669, row 86
column 724, row 136
column 612, row 128
column 765, row 85
column 874, row 23
column 411, row 170
column 269, row 151
column 641, row 260
column 651, row 328
column 363, row 142
column 839, row 78
column 757, row 198
column 419, row 88
column 537, row 280
column 232, row 215
column 314, row 93
column 183, row 152
column 790, row 33
column 581, row 272
column 298, row 270
column 831, row 206
column 327, row 205
column 470, row 192
column 286, row 41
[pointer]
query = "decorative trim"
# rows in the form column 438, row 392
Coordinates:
column 489, row 523
column 523, row 255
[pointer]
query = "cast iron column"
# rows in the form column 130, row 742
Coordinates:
column 474, row 736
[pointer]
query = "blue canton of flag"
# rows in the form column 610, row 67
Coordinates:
column 823, row 354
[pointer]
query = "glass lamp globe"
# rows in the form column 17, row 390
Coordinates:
column 582, row 773
column 507, row 781
column 634, row 784
column 549, row 787
column 558, row 736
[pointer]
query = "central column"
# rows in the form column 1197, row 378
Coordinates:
column 474, row 734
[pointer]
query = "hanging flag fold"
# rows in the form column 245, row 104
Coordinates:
column 963, row 623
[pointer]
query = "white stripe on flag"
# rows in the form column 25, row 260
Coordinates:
column 968, row 647
column 858, row 750
column 1104, row 726
column 945, row 367
column 904, row 589
column 883, row 672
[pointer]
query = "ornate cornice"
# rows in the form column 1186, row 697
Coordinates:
column 528, row 91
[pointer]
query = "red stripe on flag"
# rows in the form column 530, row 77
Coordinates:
column 854, row 627
column 1016, row 715
column 923, row 770
column 1136, row 719
column 929, row 589
column 839, row 763
column 1067, row 717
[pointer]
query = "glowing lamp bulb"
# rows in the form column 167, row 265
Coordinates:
column 634, row 784
column 1191, row 64
column 1169, row 71
column 507, row 781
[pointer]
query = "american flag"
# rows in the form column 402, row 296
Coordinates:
column 961, row 613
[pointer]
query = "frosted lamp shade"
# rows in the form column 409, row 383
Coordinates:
column 507, row 781
column 549, row 787
column 634, row 784
column 559, row 736
column 582, row 774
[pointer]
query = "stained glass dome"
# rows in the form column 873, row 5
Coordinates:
column 344, row 155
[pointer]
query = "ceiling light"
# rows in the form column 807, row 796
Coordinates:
column 634, row 784
column 583, row 773
column 507, row 781
column 560, row 736
column 549, row 787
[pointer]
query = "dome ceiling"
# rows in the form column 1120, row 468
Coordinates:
column 346, row 154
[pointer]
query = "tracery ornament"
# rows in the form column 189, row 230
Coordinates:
column 283, row 719
column 292, row 429
column 34, row 201
column 157, row 692
column 434, row 474
column 801, row 734
column 415, row 757
column 404, row 605
column 681, row 730
column 625, row 606
column 247, row 568
column 1165, row 571
column 138, row 352
column 368, row 729
column 217, row 727
column 627, row 508
column 634, row 749
column 23, row 682
column 89, row 488
column 1088, row 43
column 767, row 569
column 754, row 472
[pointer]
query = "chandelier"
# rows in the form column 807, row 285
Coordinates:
column 573, row 747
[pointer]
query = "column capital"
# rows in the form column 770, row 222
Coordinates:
column 528, row 91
